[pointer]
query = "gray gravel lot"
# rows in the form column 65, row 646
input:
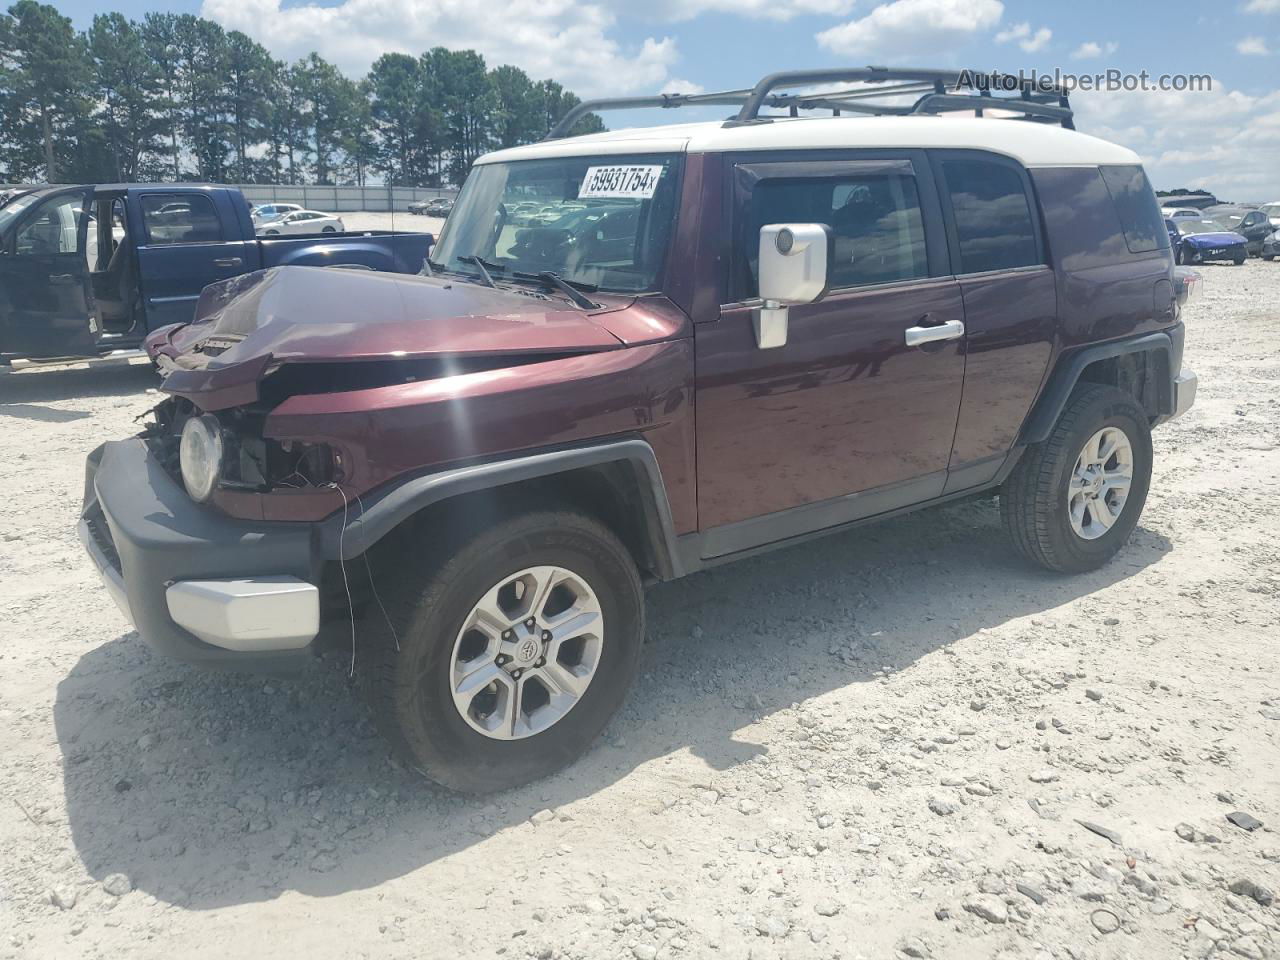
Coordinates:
column 893, row 742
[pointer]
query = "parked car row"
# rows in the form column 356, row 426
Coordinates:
column 1223, row 231
column 436, row 207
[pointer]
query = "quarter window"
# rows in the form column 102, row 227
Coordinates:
column 876, row 220
column 992, row 215
column 189, row 219
column 1136, row 206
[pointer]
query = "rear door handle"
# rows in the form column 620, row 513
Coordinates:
column 62, row 278
column 227, row 262
column 951, row 330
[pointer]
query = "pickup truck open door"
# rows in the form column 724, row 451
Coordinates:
column 44, row 274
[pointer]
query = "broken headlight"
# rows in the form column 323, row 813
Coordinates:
column 200, row 456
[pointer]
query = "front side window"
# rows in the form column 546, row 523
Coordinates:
column 599, row 221
column 1137, row 207
column 875, row 217
column 992, row 214
column 189, row 220
column 51, row 228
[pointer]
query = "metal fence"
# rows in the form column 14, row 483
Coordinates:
column 337, row 199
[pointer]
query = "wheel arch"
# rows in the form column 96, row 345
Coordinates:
column 1144, row 367
column 618, row 482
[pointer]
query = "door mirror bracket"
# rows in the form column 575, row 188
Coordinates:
column 795, row 268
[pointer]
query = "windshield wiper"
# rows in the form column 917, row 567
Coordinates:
column 570, row 288
column 483, row 266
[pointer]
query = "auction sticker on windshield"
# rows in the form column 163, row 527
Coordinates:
column 621, row 182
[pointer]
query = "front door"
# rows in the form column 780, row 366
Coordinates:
column 44, row 310
column 846, row 420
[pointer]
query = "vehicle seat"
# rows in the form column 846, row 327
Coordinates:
column 113, row 289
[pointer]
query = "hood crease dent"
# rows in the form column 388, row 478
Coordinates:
column 249, row 326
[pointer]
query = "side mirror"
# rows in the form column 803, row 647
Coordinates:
column 795, row 265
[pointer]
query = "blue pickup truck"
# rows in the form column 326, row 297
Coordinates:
column 86, row 270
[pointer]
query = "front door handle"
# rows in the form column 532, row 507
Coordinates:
column 951, row 330
column 227, row 262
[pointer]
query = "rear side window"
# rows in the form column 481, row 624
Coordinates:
column 992, row 214
column 189, row 218
column 879, row 231
column 1136, row 206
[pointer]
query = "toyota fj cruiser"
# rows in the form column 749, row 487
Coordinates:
column 705, row 340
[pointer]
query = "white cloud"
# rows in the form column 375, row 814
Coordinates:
column 1253, row 46
column 911, row 27
column 1028, row 41
column 676, row 85
column 671, row 10
column 1221, row 140
column 1262, row 6
column 562, row 39
column 1090, row 50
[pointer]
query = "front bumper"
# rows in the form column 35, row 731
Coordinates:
column 198, row 585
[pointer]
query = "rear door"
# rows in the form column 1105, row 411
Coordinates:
column 44, row 309
column 1010, row 304
column 186, row 241
column 846, row 419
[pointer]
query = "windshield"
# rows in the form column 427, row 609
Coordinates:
column 1191, row 227
column 10, row 212
column 598, row 221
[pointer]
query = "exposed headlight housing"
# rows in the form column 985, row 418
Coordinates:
column 200, row 456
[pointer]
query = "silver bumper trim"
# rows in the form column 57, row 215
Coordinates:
column 111, row 578
column 255, row 614
column 1184, row 392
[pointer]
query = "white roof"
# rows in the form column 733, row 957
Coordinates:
column 1033, row 144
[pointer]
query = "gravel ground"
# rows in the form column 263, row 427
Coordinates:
column 895, row 742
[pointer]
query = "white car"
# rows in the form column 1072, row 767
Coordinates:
column 272, row 211
column 301, row 221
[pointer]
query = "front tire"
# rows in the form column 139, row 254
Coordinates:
column 517, row 644
column 1073, row 500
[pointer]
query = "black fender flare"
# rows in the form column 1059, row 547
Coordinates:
column 370, row 518
column 1067, row 373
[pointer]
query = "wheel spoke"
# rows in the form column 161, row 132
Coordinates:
column 1107, row 444
column 473, row 681
column 575, row 625
column 548, row 579
column 560, row 679
column 1101, row 513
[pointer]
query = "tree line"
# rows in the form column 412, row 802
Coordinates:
column 177, row 97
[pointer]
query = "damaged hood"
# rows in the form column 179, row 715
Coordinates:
column 251, row 324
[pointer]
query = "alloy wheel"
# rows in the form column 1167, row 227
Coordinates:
column 526, row 653
column 1099, row 483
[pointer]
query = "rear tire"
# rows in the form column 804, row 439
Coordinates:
column 1036, row 502
column 433, row 596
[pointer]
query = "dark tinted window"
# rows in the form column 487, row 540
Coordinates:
column 992, row 215
column 879, row 233
column 1136, row 206
column 189, row 219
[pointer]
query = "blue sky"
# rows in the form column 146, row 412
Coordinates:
column 1226, row 139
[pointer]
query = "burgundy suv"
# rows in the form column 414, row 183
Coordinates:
column 635, row 355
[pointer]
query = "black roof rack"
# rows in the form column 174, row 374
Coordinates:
column 936, row 91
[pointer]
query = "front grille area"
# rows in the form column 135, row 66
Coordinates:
column 101, row 533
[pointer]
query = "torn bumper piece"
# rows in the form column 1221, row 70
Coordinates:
column 198, row 586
